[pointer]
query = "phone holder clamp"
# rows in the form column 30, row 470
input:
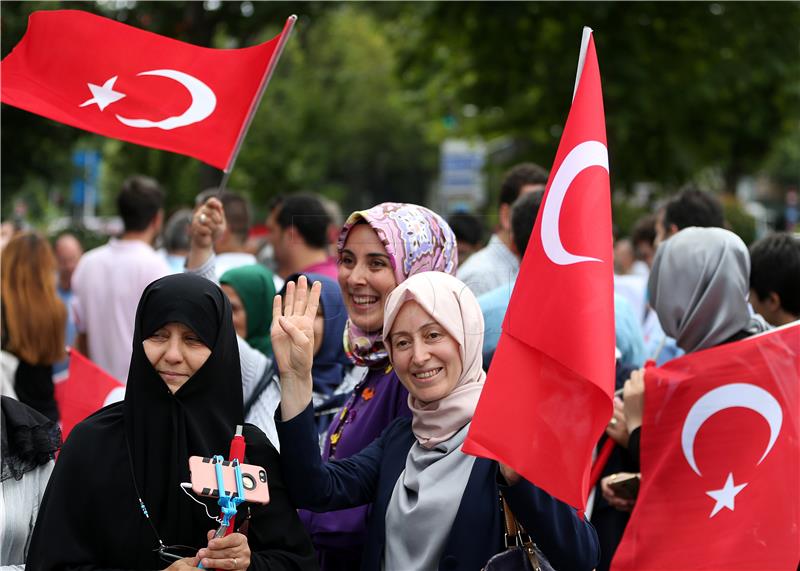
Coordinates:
column 228, row 503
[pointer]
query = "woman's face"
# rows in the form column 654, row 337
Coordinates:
column 239, row 312
column 176, row 353
column 366, row 277
column 425, row 356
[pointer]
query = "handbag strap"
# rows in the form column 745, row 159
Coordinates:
column 516, row 533
column 512, row 527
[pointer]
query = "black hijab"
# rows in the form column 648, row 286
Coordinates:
column 163, row 429
column 90, row 511
column 28, row 439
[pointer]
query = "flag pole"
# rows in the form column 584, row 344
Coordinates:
column 587, row 34
column 287, row 31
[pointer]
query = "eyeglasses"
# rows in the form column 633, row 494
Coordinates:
column 172, row 553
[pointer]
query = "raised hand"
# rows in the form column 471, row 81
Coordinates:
column 208, row 223
column 293, row 343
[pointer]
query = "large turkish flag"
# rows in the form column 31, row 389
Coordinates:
column 548, row 394
column 720, row 458
column 122, row 82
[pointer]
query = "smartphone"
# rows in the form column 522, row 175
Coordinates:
column 626, row 487
column 204, row 479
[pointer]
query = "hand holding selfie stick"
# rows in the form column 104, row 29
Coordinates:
column 227, row 503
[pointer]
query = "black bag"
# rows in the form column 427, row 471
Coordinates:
column 521, row 553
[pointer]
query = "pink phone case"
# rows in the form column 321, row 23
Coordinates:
column 204, row 480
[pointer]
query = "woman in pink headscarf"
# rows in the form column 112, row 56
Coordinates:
column 434, row 507
column 378, row 249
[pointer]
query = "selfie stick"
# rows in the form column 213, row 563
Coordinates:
column 228, row 504
column 236, row 453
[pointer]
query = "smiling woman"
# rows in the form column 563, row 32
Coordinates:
column 428, row 497
column 365, row 277
column 379, row 248
column 425, row 356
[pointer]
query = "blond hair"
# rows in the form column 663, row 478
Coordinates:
column 33, row 314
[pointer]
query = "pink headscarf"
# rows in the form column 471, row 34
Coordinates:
column 453, row 305
column 416, row 240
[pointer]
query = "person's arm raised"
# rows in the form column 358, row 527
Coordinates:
column 293, row 344
column 208, row 224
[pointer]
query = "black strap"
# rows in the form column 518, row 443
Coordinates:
column 270, row 371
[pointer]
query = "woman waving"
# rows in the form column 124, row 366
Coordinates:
column 433, row 506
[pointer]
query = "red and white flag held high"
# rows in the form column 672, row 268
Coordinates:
column 122, row 82
column 720, row 458
column 549, row 391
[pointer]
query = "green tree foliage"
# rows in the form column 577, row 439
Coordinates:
column 686, row 85
column 336, row 120
column 366, row 91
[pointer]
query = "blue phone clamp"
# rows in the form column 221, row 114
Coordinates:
column 228, row 503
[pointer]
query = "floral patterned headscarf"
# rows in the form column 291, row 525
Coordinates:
column 416, row 240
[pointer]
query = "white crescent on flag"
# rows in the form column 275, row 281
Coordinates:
column 744, row 395
column 583, row 156
column 204, row 101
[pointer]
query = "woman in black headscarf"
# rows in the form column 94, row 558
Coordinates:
column 115, row 497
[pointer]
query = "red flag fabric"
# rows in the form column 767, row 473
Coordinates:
column 122, row 82
column 87, row 389
column 720, row 460
column 548, row 394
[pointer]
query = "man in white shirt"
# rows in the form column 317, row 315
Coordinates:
column 496, row 264
column 109, row 280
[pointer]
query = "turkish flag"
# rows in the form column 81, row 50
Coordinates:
column 87, row 389
column 122, row 82
column 548, row 394
column 720, row 459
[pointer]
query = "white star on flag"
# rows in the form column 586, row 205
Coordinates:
column 724, row 497
column 103, row 95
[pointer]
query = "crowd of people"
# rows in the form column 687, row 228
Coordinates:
column 346, row 348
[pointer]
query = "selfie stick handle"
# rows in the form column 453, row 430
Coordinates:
column 227, row 504
column 237, row 450
column 237, row 446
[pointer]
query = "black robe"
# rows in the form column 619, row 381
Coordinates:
column 90, row 516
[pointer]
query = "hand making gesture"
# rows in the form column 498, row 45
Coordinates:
column 293, row 343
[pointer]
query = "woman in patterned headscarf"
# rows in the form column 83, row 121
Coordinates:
column 378, row 249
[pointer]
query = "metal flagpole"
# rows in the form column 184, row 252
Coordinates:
column 287, row 31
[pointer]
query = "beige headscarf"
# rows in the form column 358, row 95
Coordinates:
column 454, row 307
